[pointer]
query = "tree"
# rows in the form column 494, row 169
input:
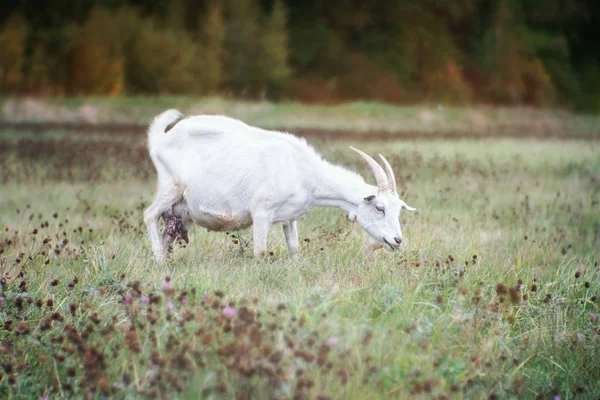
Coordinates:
column 274, row 51
column 98, row 65
column 517, row 75
column 211, row 38
column 38, row 72
column 501, row 51
column 12, row 52
column 164, row 61
column 242, row 47
column 176, row 15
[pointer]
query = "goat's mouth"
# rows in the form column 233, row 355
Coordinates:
column 388, row 246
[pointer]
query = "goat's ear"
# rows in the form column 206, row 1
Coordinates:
column 369, row 199
column 352, row 216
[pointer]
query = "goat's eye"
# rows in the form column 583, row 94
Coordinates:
column 380, row 209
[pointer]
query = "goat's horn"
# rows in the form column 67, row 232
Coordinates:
column 380, row 176
column 390, row 173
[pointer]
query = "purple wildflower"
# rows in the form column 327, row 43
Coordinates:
column 128, row 299
column 170, row 305
column 229, row 312
column 332, row 341
column 593, row 317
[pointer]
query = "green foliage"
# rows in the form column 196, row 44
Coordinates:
column 38, row 71
column 211, row 37
column 98, row 59
column 430, row 51
column 516, row 75
column 590, row 98
column 273, row 59
column 165, row 61
column 316, row 47
column 159, row 60
column 464, row 51
column 12, row 52
column 176, row 15
column 242, row 47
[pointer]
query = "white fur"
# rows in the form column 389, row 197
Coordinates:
column 225, row 175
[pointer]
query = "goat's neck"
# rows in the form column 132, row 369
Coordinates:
column 335, row 186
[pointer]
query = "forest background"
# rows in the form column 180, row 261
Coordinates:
column 510, row 52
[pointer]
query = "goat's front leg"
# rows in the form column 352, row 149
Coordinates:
column 291, row 237
column 260, row 231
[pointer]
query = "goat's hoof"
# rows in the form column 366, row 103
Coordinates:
column 160, row 258
column 260, row 255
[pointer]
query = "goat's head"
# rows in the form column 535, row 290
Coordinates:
column 379, row 213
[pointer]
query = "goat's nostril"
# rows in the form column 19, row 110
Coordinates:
column 398, row 240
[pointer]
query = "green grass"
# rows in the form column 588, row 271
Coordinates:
column 445, row 316
column 355, row 116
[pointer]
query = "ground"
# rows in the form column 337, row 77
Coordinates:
column 494, row 294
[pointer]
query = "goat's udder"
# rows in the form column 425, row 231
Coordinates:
column 175, row 227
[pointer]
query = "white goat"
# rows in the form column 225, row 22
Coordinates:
column 225, row 175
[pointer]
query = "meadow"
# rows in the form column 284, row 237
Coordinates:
column 494, row 294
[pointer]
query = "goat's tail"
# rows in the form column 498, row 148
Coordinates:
column 160, row 125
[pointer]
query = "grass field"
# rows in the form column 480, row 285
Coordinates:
column 494, row 295
column 364, row 117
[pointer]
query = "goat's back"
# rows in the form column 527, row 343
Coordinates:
column 223, row 158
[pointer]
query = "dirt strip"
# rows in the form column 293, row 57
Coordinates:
column 523, row 131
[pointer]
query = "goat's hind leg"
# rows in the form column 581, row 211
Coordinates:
column 163, row 202
column 291, row 237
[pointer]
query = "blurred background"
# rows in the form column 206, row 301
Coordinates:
column 501, row 52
